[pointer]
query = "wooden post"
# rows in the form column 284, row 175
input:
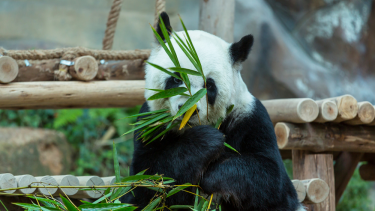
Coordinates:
column 8, row 69
column 7, row 180
column 217, row 17
column 298, row 110
column 71, row 94
column 66, row 180
column 26, row 180
column 327, row 111
column 46, row 181
column 85, row 68
column 307, row 166
column 366, row 114
column 344, row 169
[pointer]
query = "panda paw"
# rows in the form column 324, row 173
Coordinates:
column 205, row 135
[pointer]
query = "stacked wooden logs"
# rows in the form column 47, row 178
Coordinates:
column 311, row 191
column 54, row 185
column 330, row 125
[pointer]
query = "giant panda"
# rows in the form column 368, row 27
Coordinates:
column 255, row 179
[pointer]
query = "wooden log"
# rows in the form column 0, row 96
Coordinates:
column 344, row 168
column 306, row 166
column 327, row 111
column 7, row 180
column 40, row 70
column 46, row 181
column 89, row 181
column 300, row 189
column 347, row 107
column 366, row 114
column 71, row 94
column 26, row 180
column 8, row 69
column 325, row 137
column 123, row 70
column 297, row 110
column 217, row 17
column 66, row 180
column 85, row 68
column 316, row 191
column 367, row 172
column 109, row 180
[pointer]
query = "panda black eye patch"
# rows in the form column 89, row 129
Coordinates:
column 173, row 82
column 211, row 90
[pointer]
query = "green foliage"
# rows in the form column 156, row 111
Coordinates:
column 356, row 195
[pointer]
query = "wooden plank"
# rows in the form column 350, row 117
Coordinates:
column 71, row 94
column 307, row 166
column 325, row 137
column 217, row 17
column 344, row 168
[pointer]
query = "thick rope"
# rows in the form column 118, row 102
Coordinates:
column 159, row 8
column 77, row 51
column 111, row 24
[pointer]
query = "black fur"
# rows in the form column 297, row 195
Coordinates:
column 211, row 91
column 173, row 82
column 164, row 16
column 241, row 49
column 254, row 180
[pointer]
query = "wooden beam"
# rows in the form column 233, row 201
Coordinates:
column 367, row 172
column 307, row 165
column 298, row 110
column 85, row 68
column 325, row 137
column 89, row 181
column 8, row 69
column 344, row 168
column 217, row 17
column 44, row 70
column 71, row 94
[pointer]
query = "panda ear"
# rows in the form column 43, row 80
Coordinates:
column 241, row 49
column 164, row 16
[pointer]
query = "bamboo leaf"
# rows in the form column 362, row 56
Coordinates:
column 190, row 102
column 205, row 205
column 187, row 116
column 185, row 70
column 186, row 80
column 196, row 198
column 161, row 41
column 111, row 206
column 116, row 164
column 177, row 189
column 68, row 204
column 164, row 70
column 152, row 205
column 102, row 198
column 47, row 200
column 192, row 60
column 230, row 147
column 162, row 133
column 168, row 39
column 147, row 123
column 142, row 177
column 168, row 93
column 147, row 113
column 156, row 90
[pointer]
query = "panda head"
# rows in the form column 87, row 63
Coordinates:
column 221, row 62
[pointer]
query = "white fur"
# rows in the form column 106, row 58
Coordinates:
column 214, row 55
column 301, row 208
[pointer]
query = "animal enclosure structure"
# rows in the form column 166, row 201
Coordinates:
column 311, row 133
